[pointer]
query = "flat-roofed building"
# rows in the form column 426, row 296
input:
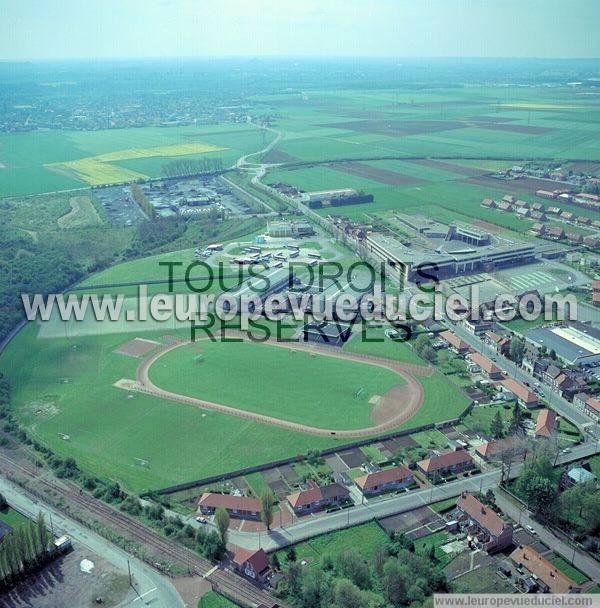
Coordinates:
column 576, row 344
column 445, row 261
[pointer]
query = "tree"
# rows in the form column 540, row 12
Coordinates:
column 43, row 535
column 290, row 556
column 497, row 426
column 267, row 498
column 222, row 523
column 3, row 503
column 347, row 595
column 396, row 579
column 516, row 426
column 516, row 350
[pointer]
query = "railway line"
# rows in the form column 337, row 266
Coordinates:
column 225, row 581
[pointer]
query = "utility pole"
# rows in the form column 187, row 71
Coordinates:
column 129, row 573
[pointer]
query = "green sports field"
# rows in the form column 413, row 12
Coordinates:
column 62, row 391
column 291, row 385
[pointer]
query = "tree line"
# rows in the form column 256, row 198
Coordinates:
column 24, row 551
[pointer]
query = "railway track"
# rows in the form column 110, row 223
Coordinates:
column 225, row 581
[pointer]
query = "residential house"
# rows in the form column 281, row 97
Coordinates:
column 582, row 219
column 574, row 238
column 521, row 204
column 579, row 400
column 538, row 216
column 555, row 233
column 489, row 203
column 524, row 396
column 504, row 206
column 252, row 563
column 549, row 577
column 488, row 367
column 537, row 207
column 545, row 194
column 567, row 215
column 489, row 532
column 523, row 212
column 545, row 425
column 452, row 462
column 554, row 210
column 591, row 241
column 592, row 408
column 538, row 229
column 315, row 498
column 456, row 344
column 385, row 481
column 490, row 450
column 499, row 343
column 507, row 198
column 239, row 507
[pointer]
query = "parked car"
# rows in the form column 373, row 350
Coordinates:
column 530, row 529
column 201, row 520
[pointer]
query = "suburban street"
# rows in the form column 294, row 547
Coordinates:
column 399, row 503
column 521, row 515
column 153, row 588
column 561, row 405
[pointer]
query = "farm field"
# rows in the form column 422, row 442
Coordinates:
column 47, row 161
column 296, row 386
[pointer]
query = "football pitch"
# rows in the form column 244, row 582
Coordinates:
column 63, row 392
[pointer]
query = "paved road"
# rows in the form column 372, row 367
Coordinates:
column 377, row 509
column 155, row 589
column 579, row 559
column 562, row 406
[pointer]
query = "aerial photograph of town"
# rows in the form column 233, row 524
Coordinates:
column 300, row 303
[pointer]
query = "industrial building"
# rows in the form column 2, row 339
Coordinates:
column 449, row 261
column 575, row 344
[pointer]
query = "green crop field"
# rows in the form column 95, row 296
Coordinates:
column 46, row 161
column 297, row 386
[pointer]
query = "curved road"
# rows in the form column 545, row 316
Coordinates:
column 413, row 391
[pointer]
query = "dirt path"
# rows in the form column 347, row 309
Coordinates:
column 397, row 406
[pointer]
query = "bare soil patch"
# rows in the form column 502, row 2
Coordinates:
column 446, row 166
column 527, row 129
column 383, row 176
column 390, row 405
column 275, row 155
column 396, row 128
column 137, row 347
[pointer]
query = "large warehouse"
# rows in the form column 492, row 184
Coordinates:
column 576, row 343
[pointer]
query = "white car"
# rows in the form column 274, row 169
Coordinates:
column 530, row 529
column 202, row 520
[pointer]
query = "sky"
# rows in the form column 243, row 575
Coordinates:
column 72, row 29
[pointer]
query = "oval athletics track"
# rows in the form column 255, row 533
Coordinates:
column 397, row 406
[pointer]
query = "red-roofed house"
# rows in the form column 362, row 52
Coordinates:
column 252, row 563
column 592, row 408
column 240, row 507
column 385, row 481
column 484, row 525
column 545, row 424
column 496, row 341
column 549, row 578
column 315, row 498
column 492, row 371
column 460, row 346
column 524, row 396
column 452, row 462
